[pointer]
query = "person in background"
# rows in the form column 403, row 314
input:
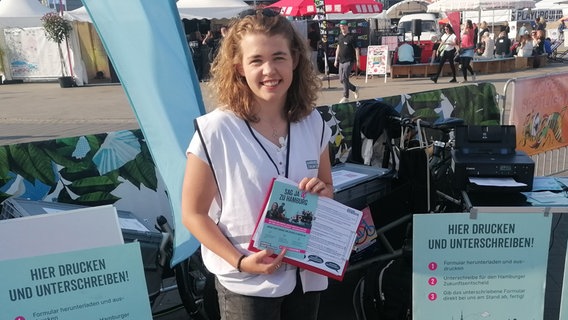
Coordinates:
column 467, row 50
column 525, row 47
column 538, row 42
column 195, row 43
column 483, row 28
column 206, row 46
column 503, row 46
column 523, row 29
column 208, row 39
column 446, row 51
column 548, row 46
column 436, row 44
column 505, row 27
column 266, row 126
column 561, row 28
column 488, row 47
column 313, row 40
column 405, row 54
column 215, row 44
column 475, row 34
column 541, row 24
column 346, row 54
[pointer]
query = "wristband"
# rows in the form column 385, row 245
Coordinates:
column 239, row 262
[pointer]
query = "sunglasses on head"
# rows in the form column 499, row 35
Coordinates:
column 267, row 12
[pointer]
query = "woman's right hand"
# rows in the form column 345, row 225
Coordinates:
column 262, row 262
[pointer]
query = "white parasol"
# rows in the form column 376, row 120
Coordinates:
column 479, row 5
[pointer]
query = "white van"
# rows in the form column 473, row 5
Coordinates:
column 429, row 25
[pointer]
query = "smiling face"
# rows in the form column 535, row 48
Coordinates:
column 267, row 65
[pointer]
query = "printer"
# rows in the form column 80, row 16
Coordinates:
column 489, row 152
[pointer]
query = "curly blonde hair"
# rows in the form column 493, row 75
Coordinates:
column 231, row 89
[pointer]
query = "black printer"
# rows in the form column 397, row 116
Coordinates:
column 489, row 152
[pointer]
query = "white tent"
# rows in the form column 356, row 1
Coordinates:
column 21, row 19
column 207, row 9
column 402, row 8
column 21, row 13
column 552, row 4
column 79, row 14
column 351, row 16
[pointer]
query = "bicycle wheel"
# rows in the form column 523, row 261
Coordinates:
column 196, row 289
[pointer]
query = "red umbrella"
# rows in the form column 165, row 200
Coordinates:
column 298, row 8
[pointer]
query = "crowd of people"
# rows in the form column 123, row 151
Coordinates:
column 478, row 42
column 528, row 42
column 475, row 41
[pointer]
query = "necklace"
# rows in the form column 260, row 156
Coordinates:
column 275, row 134
column 287, row 145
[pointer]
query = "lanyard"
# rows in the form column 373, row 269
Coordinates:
column 266, row 152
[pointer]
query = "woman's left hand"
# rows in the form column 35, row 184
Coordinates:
column 317, row 186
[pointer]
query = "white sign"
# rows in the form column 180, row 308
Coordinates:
column 377, row 61
column 59, row 232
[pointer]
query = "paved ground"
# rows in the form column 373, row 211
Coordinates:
column 43, row 111
column 40, row 111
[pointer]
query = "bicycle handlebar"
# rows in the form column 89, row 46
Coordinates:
column 444, row 124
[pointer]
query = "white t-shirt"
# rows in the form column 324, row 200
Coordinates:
column 244, row 172
column 449, row 41
column 526, row 50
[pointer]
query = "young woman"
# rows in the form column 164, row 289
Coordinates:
column 467, row 49
column 525, row 48
column 447, row 51
column 266, row 126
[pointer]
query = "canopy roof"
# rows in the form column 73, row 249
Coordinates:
column 207, row 9
column 478, row 5
column 21, row 13
column 399, row 9
column 79, row 14
column 552, row 4
column 298, row 8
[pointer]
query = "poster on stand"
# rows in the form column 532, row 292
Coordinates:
column 491, row 266
column 377, row 61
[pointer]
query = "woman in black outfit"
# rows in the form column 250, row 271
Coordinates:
column 447, row 51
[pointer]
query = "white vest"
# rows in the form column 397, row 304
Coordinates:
column 243, row 172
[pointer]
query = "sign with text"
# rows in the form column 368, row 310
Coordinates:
column 377, row 60
column 492, row 266
column 99, row 283
column 533, row 14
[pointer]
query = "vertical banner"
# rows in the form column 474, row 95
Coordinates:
column 148, row 49
column 454, row 18
column 541, row 119
column 491, row 267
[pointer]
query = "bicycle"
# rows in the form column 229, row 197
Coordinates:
column 194, row 283
column 448, row 199
column 429, row 143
